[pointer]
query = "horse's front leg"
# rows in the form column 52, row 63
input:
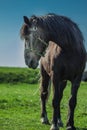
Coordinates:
column 62, row 86
column 44, row 96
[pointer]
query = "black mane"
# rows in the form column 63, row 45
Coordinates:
column 62, row 30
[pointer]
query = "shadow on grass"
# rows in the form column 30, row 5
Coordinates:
column 81, row 128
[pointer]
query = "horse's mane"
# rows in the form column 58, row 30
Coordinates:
column 63, row 29
column 60, row 28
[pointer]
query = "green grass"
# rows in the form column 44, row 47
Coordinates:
column 20, row 107
column 16, row 75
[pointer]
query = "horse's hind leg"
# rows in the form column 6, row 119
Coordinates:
column 72, row 103
column 44, row 95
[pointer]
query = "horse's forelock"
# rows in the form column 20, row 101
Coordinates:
column 24, row 31
column 36, row 21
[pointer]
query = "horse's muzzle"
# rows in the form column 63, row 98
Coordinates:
column 33, row 64
column 31, row 60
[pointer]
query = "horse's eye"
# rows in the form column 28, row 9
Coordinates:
column 34, row 28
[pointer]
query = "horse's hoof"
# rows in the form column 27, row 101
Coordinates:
column 60, row 123
column 54, row 127
column 45, row 121
column 71, row 128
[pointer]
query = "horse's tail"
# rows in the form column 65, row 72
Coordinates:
column 49, row 90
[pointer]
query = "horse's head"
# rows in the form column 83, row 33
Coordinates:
column 34, row 42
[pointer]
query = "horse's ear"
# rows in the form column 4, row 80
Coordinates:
column 26, row 20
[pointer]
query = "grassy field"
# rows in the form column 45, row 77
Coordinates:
column 18, row 75
column 20, row 107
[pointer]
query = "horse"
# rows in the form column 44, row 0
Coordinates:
column 59, row 43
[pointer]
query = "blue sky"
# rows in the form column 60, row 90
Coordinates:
column 11, row 20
